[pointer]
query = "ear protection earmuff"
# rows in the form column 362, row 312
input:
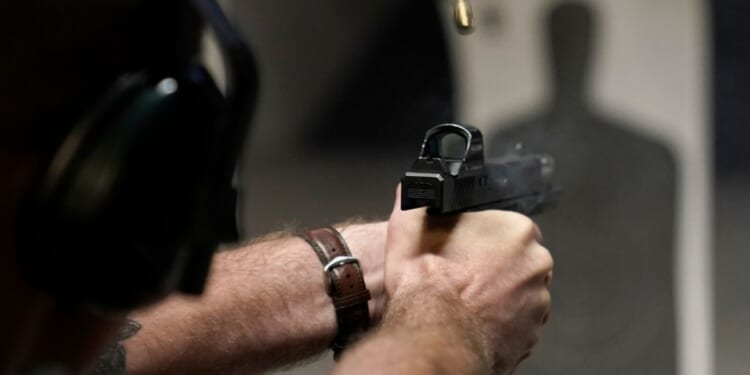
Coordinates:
column 139, row 193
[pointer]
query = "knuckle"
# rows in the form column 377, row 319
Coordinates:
column 540, row 260
column 509, row 219
column 526, row 226
column 546, row 298
column 545, row 259
column 517, row 218
column 533, row 340
column 518, row 224
column 540, row 306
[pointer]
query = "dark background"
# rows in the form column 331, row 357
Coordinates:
column 731, row 117
column 323, row 150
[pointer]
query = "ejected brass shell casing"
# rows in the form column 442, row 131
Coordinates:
column 463, row 16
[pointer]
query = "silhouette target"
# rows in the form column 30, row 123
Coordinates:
column 612, row 232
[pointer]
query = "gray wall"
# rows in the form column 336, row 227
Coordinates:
column 652, row 70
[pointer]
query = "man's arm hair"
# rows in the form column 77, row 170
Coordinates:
column 264, row 307
column 422, row 333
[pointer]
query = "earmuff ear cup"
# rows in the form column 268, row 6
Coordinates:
column 113, row 221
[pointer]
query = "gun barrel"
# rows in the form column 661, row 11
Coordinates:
column 463, row 181
column 520, row 184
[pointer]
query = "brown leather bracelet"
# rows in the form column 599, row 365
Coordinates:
column 345, row 284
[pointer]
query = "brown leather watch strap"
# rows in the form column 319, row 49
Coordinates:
column 345, row 284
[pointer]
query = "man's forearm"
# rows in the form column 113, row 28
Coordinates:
column 258, row 299
column 264, row 306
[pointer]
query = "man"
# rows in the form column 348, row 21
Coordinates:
column 458, row 294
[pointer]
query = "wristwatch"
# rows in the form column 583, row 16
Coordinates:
column 345, row 284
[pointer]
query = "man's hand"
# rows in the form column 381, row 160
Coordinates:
column 467, row 293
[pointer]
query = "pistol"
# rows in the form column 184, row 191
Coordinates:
column 450, row 176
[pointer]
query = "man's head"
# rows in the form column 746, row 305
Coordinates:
column 108, row 135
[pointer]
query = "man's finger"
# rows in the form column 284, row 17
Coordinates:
column 397, row 200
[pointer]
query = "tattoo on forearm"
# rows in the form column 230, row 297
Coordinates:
column 113, row 360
